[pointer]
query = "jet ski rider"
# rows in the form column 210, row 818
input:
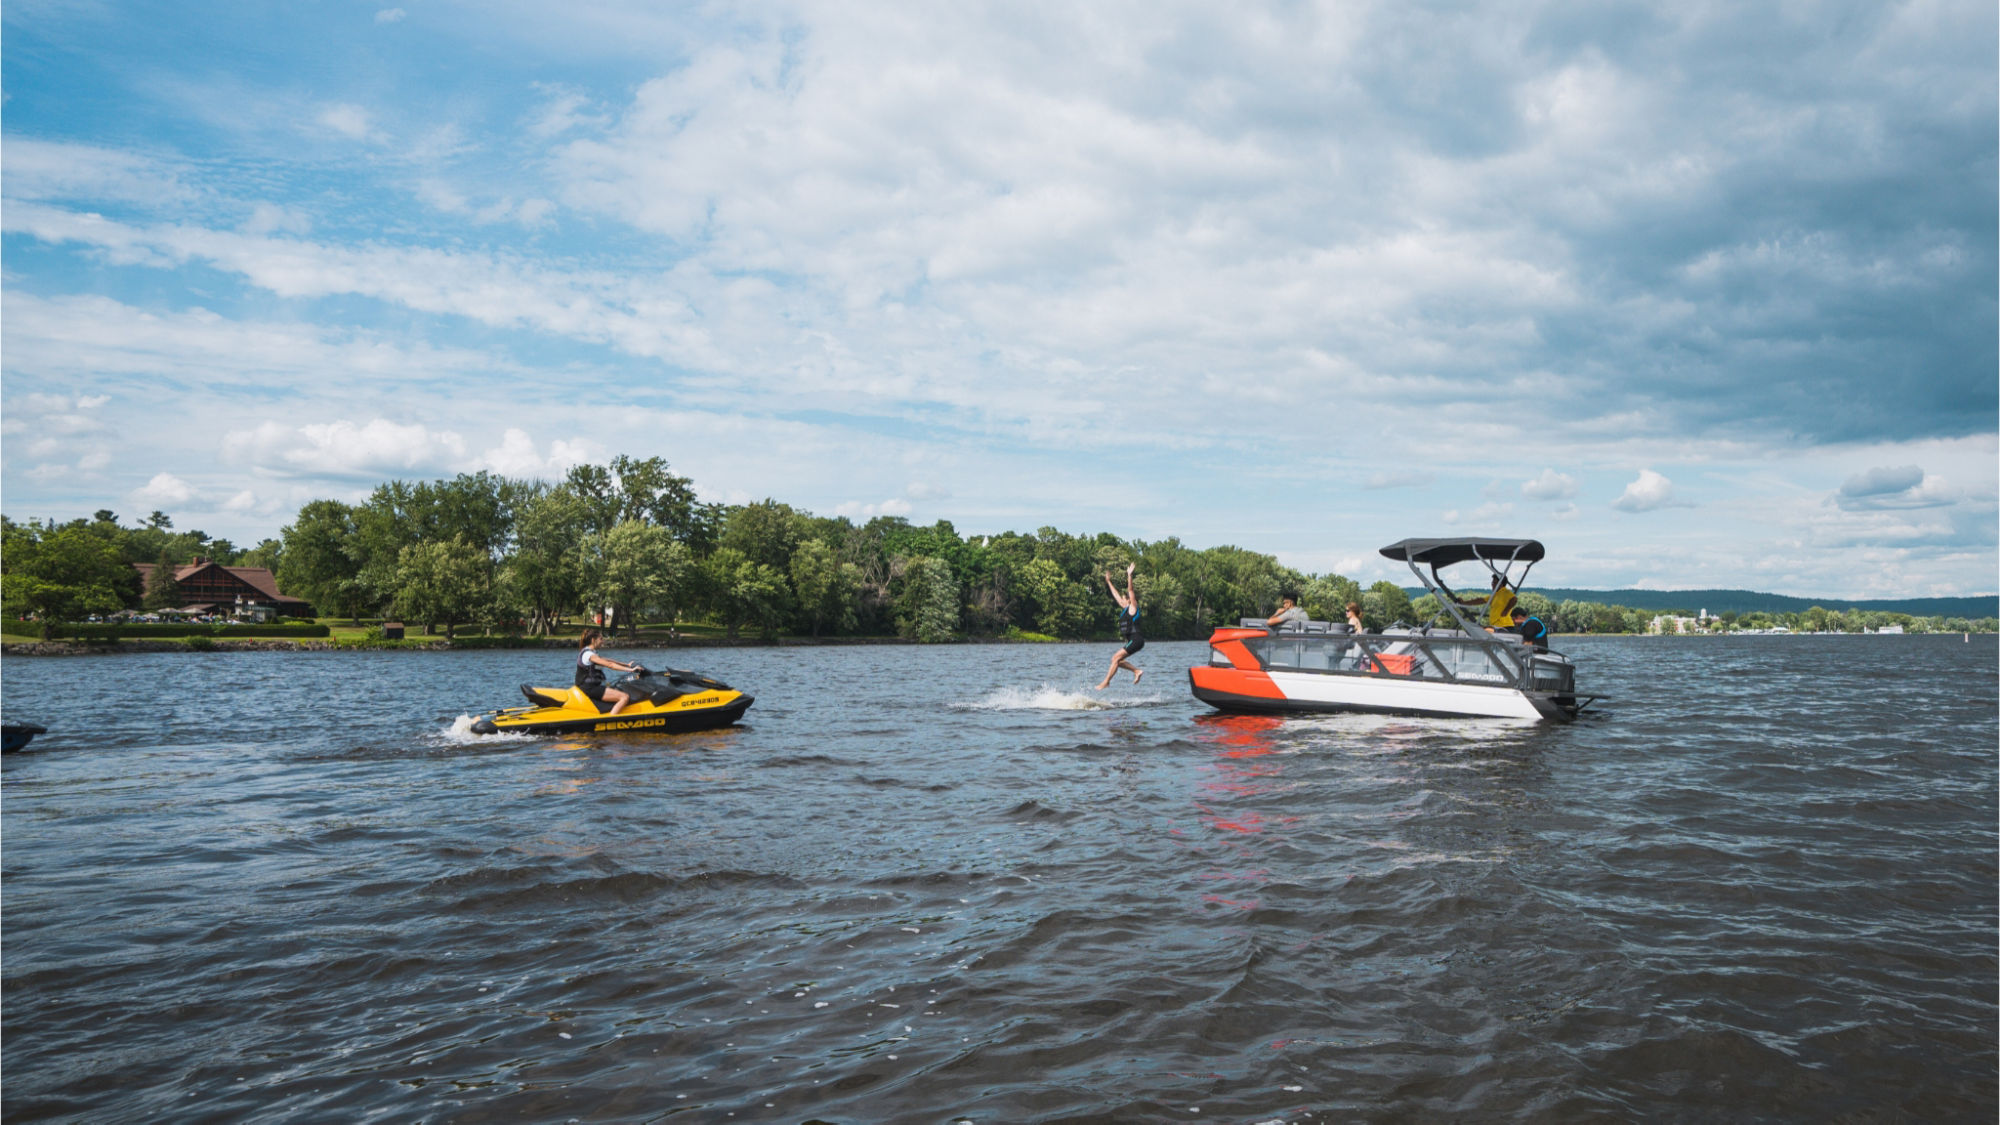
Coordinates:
column 590, row 672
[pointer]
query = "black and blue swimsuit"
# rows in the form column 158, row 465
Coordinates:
column 1128, row 627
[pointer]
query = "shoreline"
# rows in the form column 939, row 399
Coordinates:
column 439, row 644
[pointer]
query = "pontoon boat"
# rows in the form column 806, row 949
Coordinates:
column 1452, row 667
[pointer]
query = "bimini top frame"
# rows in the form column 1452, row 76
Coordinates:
column 1499, row 556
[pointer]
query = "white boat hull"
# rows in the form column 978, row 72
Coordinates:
column 1233, row 689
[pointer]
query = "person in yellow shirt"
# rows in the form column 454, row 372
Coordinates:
column 1500, row 605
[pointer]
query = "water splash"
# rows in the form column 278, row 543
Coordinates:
column 1048, row 697
column 459, row 733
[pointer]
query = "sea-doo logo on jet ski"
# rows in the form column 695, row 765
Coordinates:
column 633, row 725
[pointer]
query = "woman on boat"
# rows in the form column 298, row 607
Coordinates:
column 1128, row 627
column 1354, row 617
column 590, row 671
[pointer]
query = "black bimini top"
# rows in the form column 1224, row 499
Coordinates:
column 1444, row 552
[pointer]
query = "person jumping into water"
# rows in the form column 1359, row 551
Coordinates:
column 1128, row 627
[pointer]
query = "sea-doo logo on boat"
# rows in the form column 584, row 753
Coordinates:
column 699, row 700
column 633, row 725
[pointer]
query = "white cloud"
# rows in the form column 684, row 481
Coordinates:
column 1880, row 481
column 269, row 218
column 516, row 456
column 1904, row 486
column 1484, row 515
column 1550, row 485
column 566, row 110
column 350, row 121
column 854, row 509
column 1648, row 492
column 1121, row 254
column 390, row 15
column 378, row 446
column 164, row 489
column 88, row 339
column 73, row 173
column 1408, row 478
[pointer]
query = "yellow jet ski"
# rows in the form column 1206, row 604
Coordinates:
column 668, row 702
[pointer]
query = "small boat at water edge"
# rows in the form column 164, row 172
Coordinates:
column 16, row 736
column 1461, row 670
column 665, row 702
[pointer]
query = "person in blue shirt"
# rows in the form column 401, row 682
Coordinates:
column 1128, row 627
column 1531, row 629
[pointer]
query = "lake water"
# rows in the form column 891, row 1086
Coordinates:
column 954, row 884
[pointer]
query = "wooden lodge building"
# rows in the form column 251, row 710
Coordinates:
column 209, row 587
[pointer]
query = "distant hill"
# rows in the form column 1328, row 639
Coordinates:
column 1750, row 601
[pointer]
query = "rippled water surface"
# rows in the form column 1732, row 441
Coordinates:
column 945, row 884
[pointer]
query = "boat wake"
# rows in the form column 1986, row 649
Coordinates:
column 1048, row 697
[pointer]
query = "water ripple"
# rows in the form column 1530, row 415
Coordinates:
column 947, row 884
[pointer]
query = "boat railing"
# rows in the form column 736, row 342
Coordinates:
column 1450, row 656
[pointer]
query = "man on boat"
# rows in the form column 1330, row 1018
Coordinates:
column 1531, row 629
column 1499, row 604
column 1289, row 614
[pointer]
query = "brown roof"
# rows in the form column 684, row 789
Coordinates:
column 258, row 578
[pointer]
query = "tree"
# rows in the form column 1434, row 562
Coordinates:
column 766, row 532
column 927, row 611
column 1059, row 606
column 1538, row 605
column 268, row 553
column 319, row 561
column 1574, row 616
column 547, row 572
column 824, row 586
column 1384, row 605
column 648, row 491
column 441, row 582
column 163, row 589
column 641, row 567
column 741, row 590
column 1325, row 597
column 63, row 575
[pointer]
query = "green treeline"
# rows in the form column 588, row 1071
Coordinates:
column 630, row 541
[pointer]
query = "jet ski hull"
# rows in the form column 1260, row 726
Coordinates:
column 707, row 705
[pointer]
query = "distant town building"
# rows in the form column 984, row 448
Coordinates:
column 1668, row 623
column 245, row 591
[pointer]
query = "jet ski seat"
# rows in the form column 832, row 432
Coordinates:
column 537, row 698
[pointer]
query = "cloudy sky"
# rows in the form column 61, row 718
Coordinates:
column 1700, row 294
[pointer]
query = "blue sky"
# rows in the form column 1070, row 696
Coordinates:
column 1699, row 295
